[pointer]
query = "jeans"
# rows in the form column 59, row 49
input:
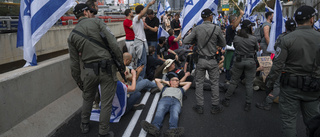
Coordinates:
column 143, row 61
column 134, row 97
column 155, row 44
column 171, row 105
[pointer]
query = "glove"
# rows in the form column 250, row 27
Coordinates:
column 80, row 85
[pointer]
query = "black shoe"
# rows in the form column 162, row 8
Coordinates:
column 154, row 90
column 225, row 102
column 175, row 132
column 198, row 109
column 264, row 106
column 84, row 128
column 247, row 107
column 216, row 109
column 149, row 128
column 110, row 134
column 138, row 106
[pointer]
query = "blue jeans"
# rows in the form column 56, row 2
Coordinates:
column 171, row 105
column 155, row 44
column 134, row 97
column 143, row 61
column 144, row 84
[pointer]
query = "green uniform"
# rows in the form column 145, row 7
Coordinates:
column 245, row 49
column 206, row 61
column 299, row 51
column 83, row 50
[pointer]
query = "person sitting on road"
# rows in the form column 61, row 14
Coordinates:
column 171, row 102
column 163, row 50
column 152, row 63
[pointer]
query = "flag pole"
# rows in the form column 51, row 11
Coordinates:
column 265, row 3
column 236, row 5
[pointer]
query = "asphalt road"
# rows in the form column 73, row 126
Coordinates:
column 232, row 122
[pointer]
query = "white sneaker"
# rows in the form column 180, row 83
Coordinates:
column 256, row 88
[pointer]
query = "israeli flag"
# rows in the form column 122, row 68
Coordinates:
column 119, row 104
column 317, row 25
column 35, row 19
column 278, row 26
column 160, row 11
column 162, row 32
column 167, row 5
column 191, row 12
column 253, row 18
column 251, row 4
column 268, row 9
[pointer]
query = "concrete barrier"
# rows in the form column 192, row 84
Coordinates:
column 54, row 40
column 25, row 95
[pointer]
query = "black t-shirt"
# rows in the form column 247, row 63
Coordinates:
column 175, row 24
column 152, row 64
column 150, row 35
column 162, row 51
column 230, row 34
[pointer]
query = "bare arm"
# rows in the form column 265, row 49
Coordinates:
column 185, row 67
column 141, row 14
column 266, row 33
column 185, row 85
column 132, row 87
column 177, row 38
column 185, row 77
column 162, row 59
column 154, row 29
column 131, row 27
column 158, row 82
column 237, row 21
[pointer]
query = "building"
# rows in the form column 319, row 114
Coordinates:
column 289, row 7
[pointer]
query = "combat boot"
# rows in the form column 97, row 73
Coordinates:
column 264, row 105
column 149, row 128
column 225, row 102
column 198, row 109
column 84, row 128
column 175, row 132
column 215, row 109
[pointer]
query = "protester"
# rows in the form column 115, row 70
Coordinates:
column 92, row 55
column 230, row 34
column 173, row 41
column 265, row 38
column 207, row 43
column 152, row 64
column 245, row 47
column 151, row 28
column 175, row 25
column 170, row 69
column 163, row 50
column 299, row 52
column 140, row 42
column 171, row 101
column 127, row 25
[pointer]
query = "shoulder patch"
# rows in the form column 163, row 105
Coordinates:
column 278, row 52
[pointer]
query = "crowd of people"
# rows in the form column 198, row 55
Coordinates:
column 171, row 65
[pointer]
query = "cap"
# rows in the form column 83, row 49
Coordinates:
column 246, row 24
column 79, row 8
column 206, row 13
column 304, row 12
column 290, row 23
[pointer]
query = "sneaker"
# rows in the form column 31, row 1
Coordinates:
column 225, row 102
column 264, row 106
column 198, row 109
column 110, row 134
column 154, row 90
column 175, row 132
column 247, row 107
column 84, row 128
column 149, row 128
column 256, row 88
column 216, row 109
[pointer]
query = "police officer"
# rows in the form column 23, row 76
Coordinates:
column 267, row 103
column 208, row 36
column 245, row 45
column 98, row 67
column 299, row 51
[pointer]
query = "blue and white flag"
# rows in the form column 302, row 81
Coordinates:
column 160, row 11
column 119, row 104
column 35, row 19
column 162, row 32
column 167, row 6
column 253, row 18
column 191, row 13
column 240, row 1
column 316, row 25
column 251, row 4
column 268, row 9
column 278, row 26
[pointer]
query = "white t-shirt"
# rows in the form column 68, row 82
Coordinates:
column 138, row 28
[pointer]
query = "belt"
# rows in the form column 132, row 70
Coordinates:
column 207, row 57
column 104, row 65
column 97, row 64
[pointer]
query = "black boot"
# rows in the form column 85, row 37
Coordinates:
column 264, row 105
